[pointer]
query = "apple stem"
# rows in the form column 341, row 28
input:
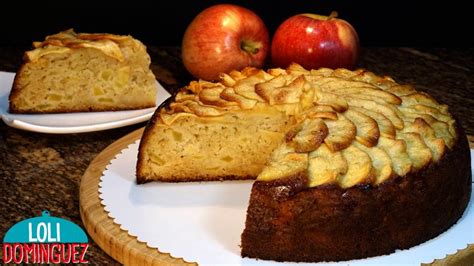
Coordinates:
column 332, row 15
column 249, row 47
column 320, row 17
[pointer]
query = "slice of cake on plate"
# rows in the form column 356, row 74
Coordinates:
column 80, row 72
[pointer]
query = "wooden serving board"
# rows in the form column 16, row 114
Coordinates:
column 127, row 249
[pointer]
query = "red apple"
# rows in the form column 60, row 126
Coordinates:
column 223, row 38
column 315, row 41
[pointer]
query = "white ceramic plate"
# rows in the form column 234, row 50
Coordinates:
column 202, row 221
column 71, row 122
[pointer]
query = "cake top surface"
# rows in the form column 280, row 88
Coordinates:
column 353, row 127
column 64, row 41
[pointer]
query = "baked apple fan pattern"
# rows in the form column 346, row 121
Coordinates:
column 348, row 127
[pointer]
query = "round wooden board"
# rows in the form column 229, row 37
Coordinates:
column 127, row 249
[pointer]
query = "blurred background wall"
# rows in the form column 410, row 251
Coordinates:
column 438, row 23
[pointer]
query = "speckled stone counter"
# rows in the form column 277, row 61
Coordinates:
column 40, row 171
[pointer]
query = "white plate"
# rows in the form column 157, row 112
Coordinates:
column 202, row 222
column 71, row 122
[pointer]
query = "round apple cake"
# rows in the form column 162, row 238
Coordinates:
column 347, row 164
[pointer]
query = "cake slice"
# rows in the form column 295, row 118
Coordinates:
column 80, row 72
column 210, row 132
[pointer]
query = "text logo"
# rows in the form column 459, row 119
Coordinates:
column 45, row 239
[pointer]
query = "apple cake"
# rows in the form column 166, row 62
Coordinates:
column 347, row 164
column 71, row 72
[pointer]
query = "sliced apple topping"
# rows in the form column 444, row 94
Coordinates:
column 417, row 150
column 253, row 72
column 265, row 89
column 277, row 71
column 284, row 162
column 427, row 110
column 168, row 119
column 178, row 107
column 397, row 150
column 368, row 92
column 341, row 133
column 244, row 103
column 323, row 108
column 359, row 168
column 325, row 166
column 296, row 69
column 322, row 72
column 344, row 73
column 401, row 90
column 424, row 109
column 244, row 82
column 445, row 132
column 384, row 83
column 195, row 108
column 367, row 130
column 307, row 98
column 307, row 136
column 380, row 161
column 326, row 115
column 381, row 98
column 290, row 93
column 227, row 80
column 441, row 129
column 183, row 95
column 436, row 145
column 197, row 86
column 211, row 96
column 387, row 110
column 237, row 75
column 441, row 132
column 246, row 87
column 332, row 84
column 425, row 99
column 386, row 127
column 364, row 75
column 318, row 111
column 338, row 103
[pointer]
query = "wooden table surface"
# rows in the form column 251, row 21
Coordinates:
column 40, row 171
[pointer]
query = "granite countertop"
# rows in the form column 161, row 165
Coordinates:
column 42, row 172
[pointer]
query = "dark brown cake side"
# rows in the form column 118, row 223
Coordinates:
column 288, row 222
